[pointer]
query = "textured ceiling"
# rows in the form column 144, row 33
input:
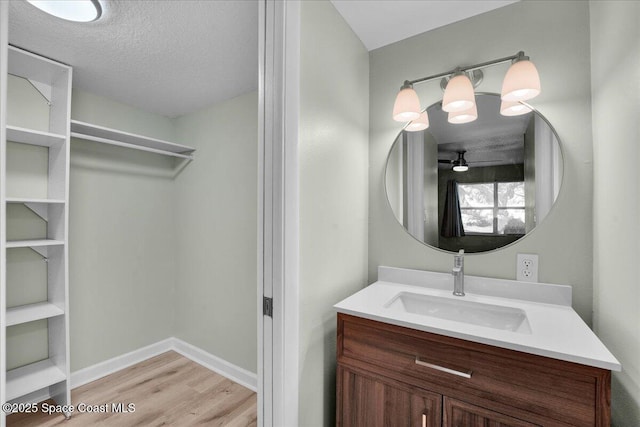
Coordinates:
column 173, row 57
column 492, row 139
column 382, row 22
column 168, row 57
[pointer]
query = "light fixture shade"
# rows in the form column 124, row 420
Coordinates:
column 407, row 105
column 461, row 168
column 513, row 108
column 459, row 94
column 466, row 116
column 521, row 82
column 70, row 10
column 421, row 123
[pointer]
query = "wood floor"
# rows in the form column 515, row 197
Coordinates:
column 167, row 390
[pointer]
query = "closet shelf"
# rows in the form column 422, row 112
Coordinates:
column 33, row 137
column 29, row 200
column 41, row 207
column 33, row 243
column 119, row 138
column 33, row 377
column 31, row 312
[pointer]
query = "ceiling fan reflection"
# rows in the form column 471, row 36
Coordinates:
column 460, row 164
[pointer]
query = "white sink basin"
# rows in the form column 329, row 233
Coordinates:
column 461, row 310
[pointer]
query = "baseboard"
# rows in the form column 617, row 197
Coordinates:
column 234, row 373
column 102, row 369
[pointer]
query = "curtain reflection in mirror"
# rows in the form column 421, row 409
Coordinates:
column 452, row 216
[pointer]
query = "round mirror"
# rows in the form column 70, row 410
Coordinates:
column 475, row 186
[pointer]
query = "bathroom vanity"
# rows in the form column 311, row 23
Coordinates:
column 507, row 354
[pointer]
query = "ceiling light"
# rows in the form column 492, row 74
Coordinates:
column 466, row 116
column 459, row 94
column 522, row 81
column 421, row 123
column 460, row 164
column 407, row 105
column 71, row 10
column 513, row 108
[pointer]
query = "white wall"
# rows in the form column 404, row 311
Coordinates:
column 333, row 146
column 216, row 222
column 121, row 236
column 556, row 36
column 155, row 254
column 615, row 77
column 97, row 109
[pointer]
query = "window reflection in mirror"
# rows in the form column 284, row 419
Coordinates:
column 492, row 208
column 513, row 178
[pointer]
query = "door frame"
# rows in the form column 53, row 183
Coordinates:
column 278, row 211
column 4, row 46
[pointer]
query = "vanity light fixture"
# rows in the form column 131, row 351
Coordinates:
column 407, row 105
column 521, row 82
column 513, row 108
column 70, row 10
column 421, row 123
column 459, row 94
column 465, row 116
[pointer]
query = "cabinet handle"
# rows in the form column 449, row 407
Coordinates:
column 443, row 369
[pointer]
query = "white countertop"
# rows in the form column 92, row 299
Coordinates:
column 556, row 329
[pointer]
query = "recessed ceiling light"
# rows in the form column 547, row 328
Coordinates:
column 71, row 10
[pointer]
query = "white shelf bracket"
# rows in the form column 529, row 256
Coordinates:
column 43, row 251
column 180, row 166
column 43, row 89
column 40, row 209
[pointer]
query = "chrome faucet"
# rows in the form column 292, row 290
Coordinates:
column 458, row 274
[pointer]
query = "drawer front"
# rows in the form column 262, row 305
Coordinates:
column 522, row 385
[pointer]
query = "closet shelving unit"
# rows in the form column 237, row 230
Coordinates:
column 49, row 377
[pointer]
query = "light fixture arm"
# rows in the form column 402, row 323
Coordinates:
column 517, row 57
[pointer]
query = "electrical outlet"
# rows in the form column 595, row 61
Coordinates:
column 527, row 267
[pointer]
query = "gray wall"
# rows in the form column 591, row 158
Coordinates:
column 556, row 36
column 615, row 43
column 333, row 145
column 216, row 223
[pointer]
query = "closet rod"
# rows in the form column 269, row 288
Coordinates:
column 127, row 145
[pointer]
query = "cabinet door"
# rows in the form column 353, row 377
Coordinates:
column 373, row 401
column 461, row 414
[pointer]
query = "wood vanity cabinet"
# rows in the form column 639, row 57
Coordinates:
column 391, row 376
